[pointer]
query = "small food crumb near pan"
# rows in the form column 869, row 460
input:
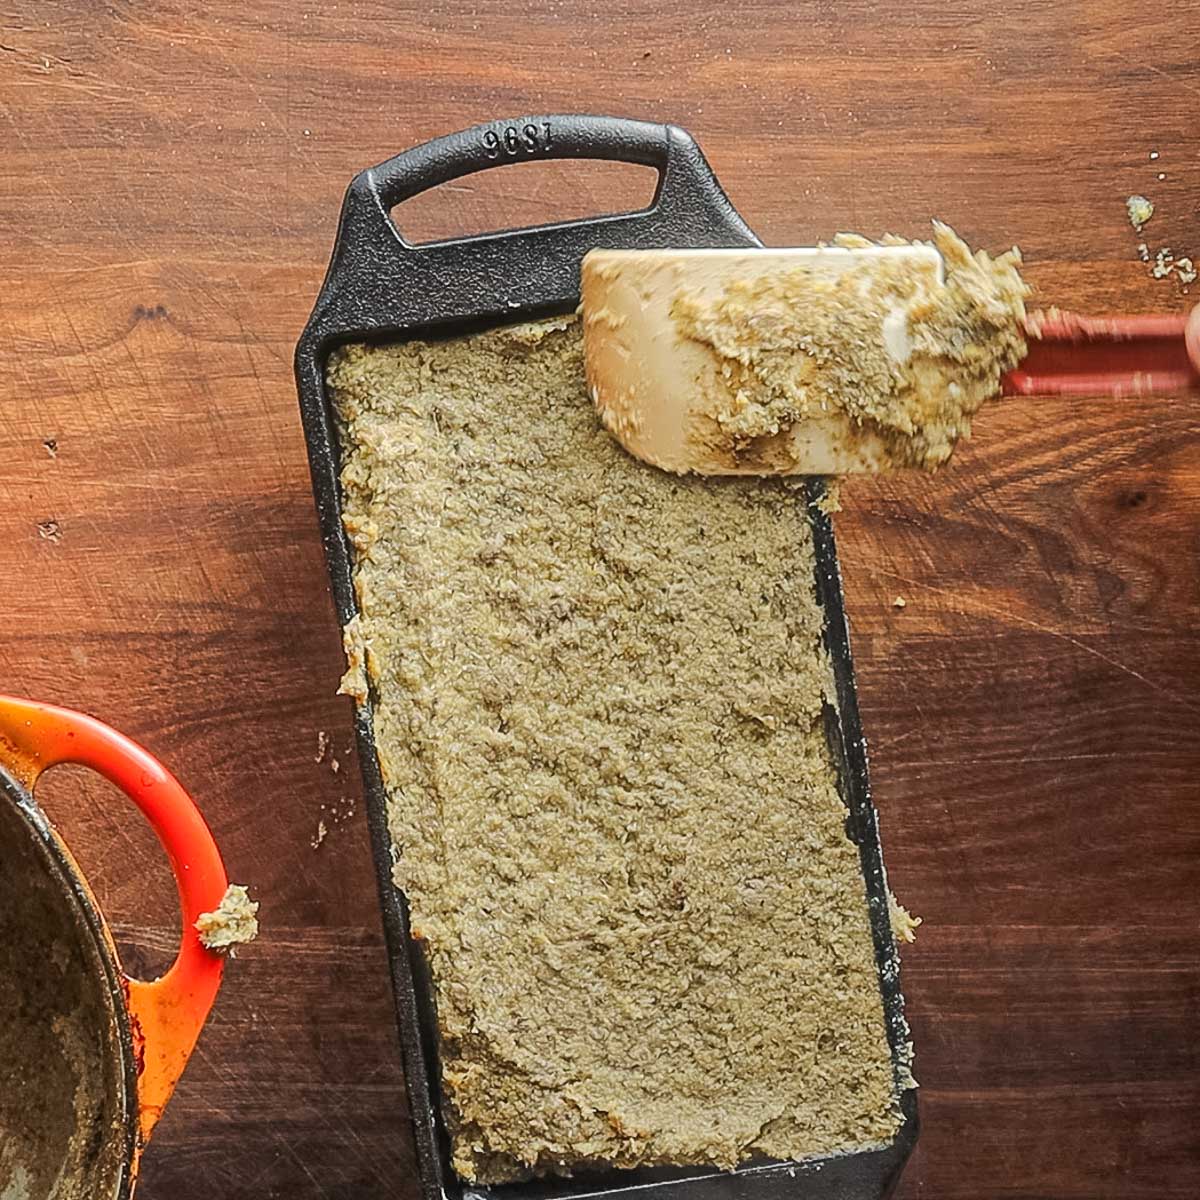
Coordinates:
column 340, row 811
column 234, row 921
column 904, row 924
column 1140, row 211
column 831, row 501
column 354, row 681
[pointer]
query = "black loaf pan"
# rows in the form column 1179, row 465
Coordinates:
column 381, row 288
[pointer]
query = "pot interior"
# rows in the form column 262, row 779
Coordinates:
column 64, row 1132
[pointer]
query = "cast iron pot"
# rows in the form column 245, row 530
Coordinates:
column 88, row 1056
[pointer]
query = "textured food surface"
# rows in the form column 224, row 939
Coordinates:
column 800, row 344
column 598, row 708
column 232, row 923
column 62, row 1133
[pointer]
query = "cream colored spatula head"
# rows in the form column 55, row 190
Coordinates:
column 813, row 361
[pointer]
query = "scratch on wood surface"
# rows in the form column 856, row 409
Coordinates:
column 877, row 747
column 349, row 1125
column 1006, row 614
column 269, row 1096
column 63, row 72
column 966, row 875
column 1020, row 760
column 281, row 1140
column 1173, row 79
column 280, row 124
column 22, row 136
column 44, row 178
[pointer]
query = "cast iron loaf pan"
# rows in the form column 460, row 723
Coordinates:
column 381, row 288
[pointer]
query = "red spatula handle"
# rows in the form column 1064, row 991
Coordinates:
column 1071, row 354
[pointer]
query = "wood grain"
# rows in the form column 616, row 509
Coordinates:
column 169, row 184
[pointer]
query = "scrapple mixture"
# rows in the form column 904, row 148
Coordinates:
column 598, row 704
column 793, row 344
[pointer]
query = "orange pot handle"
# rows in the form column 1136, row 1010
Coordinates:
column 167, row 1014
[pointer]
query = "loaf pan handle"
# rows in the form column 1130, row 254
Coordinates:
column 378, row 283
column 684, row 178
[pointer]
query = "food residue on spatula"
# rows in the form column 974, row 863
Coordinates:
column 795, row 343
column 234, row 921
column 818, row 365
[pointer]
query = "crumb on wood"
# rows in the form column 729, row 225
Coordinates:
column 831, row 501
column 904, row 924
column 1140, row 211
column 1164, row 263
column 322, row 745
column 234, row 921
column 342, row 809
column 899, row 602
column 334, row 765
column 50, row 445
column 338, row 812
column 50, row 530
column 904, row 1065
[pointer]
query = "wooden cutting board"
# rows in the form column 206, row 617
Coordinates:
column 169, row 186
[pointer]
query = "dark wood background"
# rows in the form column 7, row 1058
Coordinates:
column 170, row 176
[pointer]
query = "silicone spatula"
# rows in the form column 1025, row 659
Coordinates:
column 1070, row 354
column 647, row 379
